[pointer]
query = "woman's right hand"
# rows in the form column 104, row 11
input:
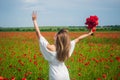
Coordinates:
column 34, row 16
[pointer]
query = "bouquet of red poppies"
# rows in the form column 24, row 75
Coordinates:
column 91, row 23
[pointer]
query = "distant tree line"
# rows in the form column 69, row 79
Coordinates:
column 57, row 28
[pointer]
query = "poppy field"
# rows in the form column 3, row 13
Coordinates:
column 94, row 58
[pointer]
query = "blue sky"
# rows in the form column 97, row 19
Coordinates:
column 17, row 13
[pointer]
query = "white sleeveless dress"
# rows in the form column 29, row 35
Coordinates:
column 57, row 69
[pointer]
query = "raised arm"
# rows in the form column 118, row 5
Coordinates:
column 83, row 36
column 34, row 18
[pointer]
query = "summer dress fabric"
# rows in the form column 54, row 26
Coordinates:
column 57, row 69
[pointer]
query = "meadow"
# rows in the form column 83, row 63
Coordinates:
column 94, row 58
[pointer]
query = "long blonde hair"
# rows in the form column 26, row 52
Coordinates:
column 62, row 45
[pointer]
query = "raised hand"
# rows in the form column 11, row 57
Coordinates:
column 34, row 18
column 34, row 15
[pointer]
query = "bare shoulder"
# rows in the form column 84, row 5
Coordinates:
column 51, row 47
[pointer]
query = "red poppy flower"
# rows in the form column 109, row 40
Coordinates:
column 118, row 58
column 1, row 78
column 24, row 79
column 35, row 63
column 35, row 56
column 92, row 22
column 104, row 76
column 98, row 78
column 111, row 60
column 30, row 60
column 13, row 78
column 0, row 59
column 87, row 63
column 19, row 69
column 68, row 66
column 119, row 74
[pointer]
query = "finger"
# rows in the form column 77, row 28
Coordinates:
column 35, row 12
